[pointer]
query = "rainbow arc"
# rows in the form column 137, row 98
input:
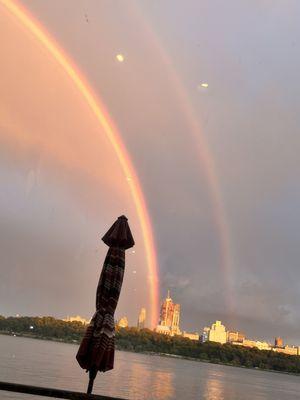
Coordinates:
column 40, row 34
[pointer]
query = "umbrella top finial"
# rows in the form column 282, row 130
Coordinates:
column 119, row 235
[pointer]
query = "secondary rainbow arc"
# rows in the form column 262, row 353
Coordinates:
column 205, row 156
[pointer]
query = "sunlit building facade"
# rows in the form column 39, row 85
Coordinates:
column 191, row 336
column 77, row 318
column 123, row 322
column 141, row 324
column 235, row 336
column 217, row 333
column 290, row 350
column 261, row 345
column 169, row 318
column 278, row 342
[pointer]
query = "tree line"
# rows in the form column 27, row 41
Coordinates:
column 145, row 340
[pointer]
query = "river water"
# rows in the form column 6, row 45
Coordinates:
column 137, row 376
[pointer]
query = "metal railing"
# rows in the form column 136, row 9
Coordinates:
column 50, row 392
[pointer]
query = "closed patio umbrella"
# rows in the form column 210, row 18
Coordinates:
column 97, row 348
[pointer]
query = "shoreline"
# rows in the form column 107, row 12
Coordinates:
column 149, row 353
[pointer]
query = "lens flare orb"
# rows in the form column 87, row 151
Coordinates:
column 120, row 57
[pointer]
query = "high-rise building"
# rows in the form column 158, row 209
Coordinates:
column 142, row 319
column 169, row 317
column 217, row 333
column 278, row 342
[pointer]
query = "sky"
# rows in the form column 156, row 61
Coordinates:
column 218, row 166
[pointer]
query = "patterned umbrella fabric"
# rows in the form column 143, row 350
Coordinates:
column 97, row 349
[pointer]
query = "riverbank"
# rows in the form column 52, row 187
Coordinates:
column 149, row 342
column 150, row 353
column 219, row 363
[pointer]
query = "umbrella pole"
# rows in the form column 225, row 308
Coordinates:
column 92, row 375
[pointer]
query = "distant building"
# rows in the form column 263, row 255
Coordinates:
column 254, row 344
column 191, row 336
column 249, row 343
column 123, row 322
column 263, row 345
column 292, row 351
column 165, row 330
column 278, row 342
column 217, row 333
column 169, row 317
column 205, row 334
column 235, row 336
column 176, row 318
column 77, row 318
column 142, row 319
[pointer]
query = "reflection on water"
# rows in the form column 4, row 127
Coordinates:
column 140, row 376
column 137, row 376
column 214, row 390
column 163, row 387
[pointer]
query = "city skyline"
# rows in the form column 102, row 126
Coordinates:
column 168, row 325
column 195, row 333
column 217, row 332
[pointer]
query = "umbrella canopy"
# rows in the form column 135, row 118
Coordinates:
column 96, row 351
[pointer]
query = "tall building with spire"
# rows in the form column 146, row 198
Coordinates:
column 142, row 319
column 169, row 317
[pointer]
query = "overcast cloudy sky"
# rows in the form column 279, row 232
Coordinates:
column 62, row 186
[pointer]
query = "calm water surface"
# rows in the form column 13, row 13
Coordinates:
column 137, row 376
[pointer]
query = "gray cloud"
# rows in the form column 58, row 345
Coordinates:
column 248, row 53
